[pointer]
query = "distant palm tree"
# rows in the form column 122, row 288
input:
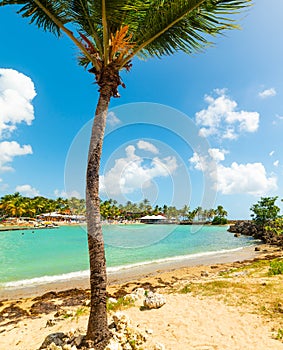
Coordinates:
column 109, row 34
column 220, row 211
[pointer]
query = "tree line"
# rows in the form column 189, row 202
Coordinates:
column 16, row 205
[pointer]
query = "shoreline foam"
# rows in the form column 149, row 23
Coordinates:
column 119, row 274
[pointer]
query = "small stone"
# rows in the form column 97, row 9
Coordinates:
column 78, row 340
column 67, row 347
column 257, row 249
column 50, row 323
column 149, row 331
column 112, row 300
column 140, row 292
column 87, row 302
column 53, row 346
column 204, row 274
column 154, row 300
column 159, row 346
column 113, row 345
column 55, row 338
column 120, row 318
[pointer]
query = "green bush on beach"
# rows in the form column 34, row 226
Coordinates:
column 276, row 268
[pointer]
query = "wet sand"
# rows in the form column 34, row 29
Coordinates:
column 133, row 273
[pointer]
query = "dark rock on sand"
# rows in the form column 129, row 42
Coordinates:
column 43, row 307
column 12, row 312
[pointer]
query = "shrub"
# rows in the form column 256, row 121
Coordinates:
column 276, row 267
column 218, row 220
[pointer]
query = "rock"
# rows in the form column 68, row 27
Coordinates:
column 154, row 300
column 113, row 345
column 87, row 302
column 43, row 307
column 79, row 339
column 159, row 346
column 204, row 274
column 257, row 249
column 67, row 347
column 56, row 338
column 53, row 346
column 121, row 320
column 137, row 296
column 50, row 323
column 112, row 300
column 139, row 292
column 149, row 331
column 12, row 312
column 237, row 234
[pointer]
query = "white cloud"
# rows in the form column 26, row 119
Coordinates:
column 27, row 190
column 276, row 163
column 9, row 150
column 112, row 119
column 67, row 194
column 217, row 154
column 147, row 146
column 267, row 93
column 131, row 173
column 222, row 119
column 248, row 178
column 278, row 120
column 271, row 153
column 16, row 93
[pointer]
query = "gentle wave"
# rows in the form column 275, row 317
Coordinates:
column 172, row 259
column 85, row 274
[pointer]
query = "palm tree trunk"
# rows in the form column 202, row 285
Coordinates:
column 97, row 330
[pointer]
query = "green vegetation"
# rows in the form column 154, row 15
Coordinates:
column 279, row 335
column 267, row 218
column 265, row 210
column 16, row 205
column 254, row 293
column 186, row 289
column 276, row 267
column 119, row 305
column 217, row 220
column 275, row 226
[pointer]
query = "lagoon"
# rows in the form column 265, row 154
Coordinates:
column 38, row 256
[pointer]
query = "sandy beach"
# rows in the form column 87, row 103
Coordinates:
column 233, row 305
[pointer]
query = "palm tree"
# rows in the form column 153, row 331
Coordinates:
column 109, row 34
column 220, row 211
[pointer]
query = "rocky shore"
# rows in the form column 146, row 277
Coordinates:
column 250, row 228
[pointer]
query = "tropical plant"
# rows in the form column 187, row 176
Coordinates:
column 109, row 34
column 265, row 210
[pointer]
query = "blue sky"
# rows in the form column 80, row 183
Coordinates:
column 202, row 130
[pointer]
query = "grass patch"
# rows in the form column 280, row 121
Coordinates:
column 279, row 335
column 185, row 290
column 81, row 311
column 260, row 294
column 120, row 305
column 276, row 268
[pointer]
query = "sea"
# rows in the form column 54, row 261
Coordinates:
column 31, row 257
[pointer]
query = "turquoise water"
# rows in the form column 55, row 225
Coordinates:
column 51, row 254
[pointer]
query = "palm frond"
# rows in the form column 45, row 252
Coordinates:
column 86, row 17
column 34, row 10
column 173, row 25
